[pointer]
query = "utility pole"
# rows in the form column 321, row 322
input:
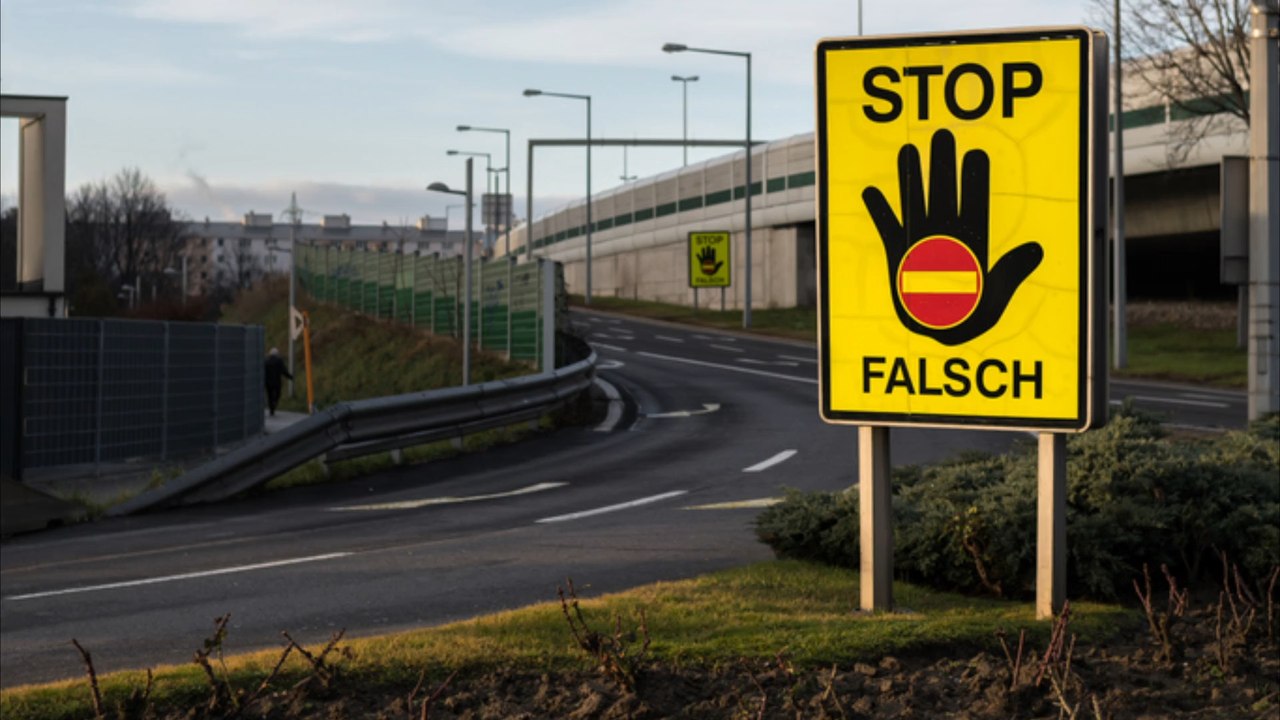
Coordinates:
column 294, row 213
column 1264, row 209
column 625, row 177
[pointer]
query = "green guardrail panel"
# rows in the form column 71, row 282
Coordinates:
column 445, row 323
column 422, row 309
column 802, row 179
column 385, row 299
column 524, row 335
column 404, row 305
column 720, row 196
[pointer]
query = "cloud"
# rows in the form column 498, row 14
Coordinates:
column 332, row 20
column 205, row 192
column 780, row 35
column 195, row 196
column 64, row 69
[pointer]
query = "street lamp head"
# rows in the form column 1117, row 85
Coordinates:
column 688, row 79
column 439, row 187
column 463, row 128
column 532, row 93
column 674, row 47
column 451, row 152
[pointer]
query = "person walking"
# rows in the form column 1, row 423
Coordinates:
column 271, row 375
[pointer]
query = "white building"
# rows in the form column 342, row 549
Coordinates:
column 237, row 253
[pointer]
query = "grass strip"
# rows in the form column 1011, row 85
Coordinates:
column 1171, row 352
column 801, row 610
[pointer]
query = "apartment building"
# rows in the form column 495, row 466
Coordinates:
column 234, row 254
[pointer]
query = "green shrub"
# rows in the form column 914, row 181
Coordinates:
column 820, row 526
column 1133, row 497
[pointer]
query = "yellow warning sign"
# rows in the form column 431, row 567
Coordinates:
column 709, row 259
column 957, row 194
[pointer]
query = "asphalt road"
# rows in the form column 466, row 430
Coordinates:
column 709, row 422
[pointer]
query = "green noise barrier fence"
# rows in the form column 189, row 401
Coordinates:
column 427, row 292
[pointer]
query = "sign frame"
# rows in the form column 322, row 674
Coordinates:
column 1091, row 403
column 724, row 240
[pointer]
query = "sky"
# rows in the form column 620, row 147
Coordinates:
column 231, row 105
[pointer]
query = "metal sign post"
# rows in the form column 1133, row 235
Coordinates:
column 1051, row 525
column 306, row 355
column 875, row 518
column 962, row 198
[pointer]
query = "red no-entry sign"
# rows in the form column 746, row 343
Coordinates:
column 940, row 282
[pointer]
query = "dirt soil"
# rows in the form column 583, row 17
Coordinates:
column 1207, row 676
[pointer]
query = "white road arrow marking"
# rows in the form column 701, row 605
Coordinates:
column 734, row 368
column 707, row 408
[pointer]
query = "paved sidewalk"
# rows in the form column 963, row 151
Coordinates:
column 280, row 421
column 55, row 496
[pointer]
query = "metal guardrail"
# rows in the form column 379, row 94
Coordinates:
column 366, row 426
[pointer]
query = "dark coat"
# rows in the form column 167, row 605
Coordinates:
column 273, row 371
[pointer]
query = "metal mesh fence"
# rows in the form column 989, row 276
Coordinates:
column 97, row 391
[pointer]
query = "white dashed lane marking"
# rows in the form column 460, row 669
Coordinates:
column 766, row 464
column 614, row 508
column 449, row 500
column 182, row 576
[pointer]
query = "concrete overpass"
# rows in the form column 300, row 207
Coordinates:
column 640, row 228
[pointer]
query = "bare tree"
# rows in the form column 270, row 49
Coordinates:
column 122, row 230
column 1191, row 56
column 1194, row 53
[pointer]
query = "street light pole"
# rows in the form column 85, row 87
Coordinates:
column 1264, row 209
column 1120, row 289
column 466, row 301
column 535, row 93
column 684, row 83
column 506, row 170
column 488, row 172
column 676, row 47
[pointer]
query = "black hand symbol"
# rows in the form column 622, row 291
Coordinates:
column 707, row 260
column 967, row 224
